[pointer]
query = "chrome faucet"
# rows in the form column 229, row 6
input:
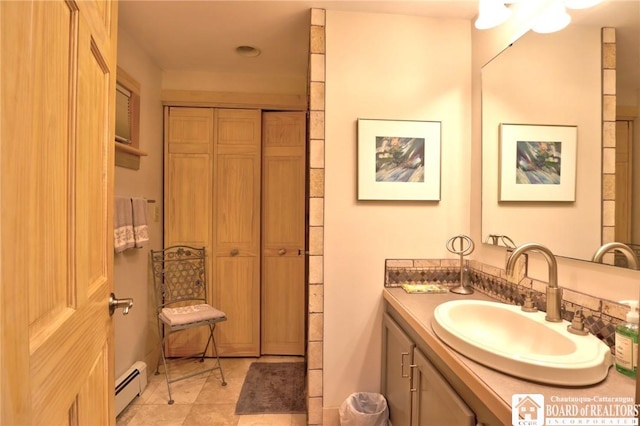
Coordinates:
column 632, row 258
column 554, row 293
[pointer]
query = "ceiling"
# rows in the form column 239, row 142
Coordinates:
column 202, row 35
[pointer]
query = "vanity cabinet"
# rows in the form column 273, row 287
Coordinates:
column 416, row 393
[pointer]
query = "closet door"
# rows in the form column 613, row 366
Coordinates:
column 283, row 233
column 188, row 188
column 624, row 178
column 236, row 234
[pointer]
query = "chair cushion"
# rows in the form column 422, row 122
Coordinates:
column 190, row 314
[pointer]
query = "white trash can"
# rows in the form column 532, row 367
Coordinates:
column 364, row 409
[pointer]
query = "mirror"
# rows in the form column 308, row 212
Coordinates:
column 554, row 81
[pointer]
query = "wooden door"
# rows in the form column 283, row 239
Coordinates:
column 57, row 122
column 188, row 189
column 283, row 233
column 236, row 234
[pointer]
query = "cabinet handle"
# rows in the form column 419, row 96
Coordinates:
column 234, row 252
column 282, row 251
column 411, row 388
column 402, row 355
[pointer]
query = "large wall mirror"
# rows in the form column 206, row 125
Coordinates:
column 549, row 84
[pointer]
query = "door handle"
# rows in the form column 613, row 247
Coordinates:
column 402, row 355
column 114, row 304
column 411, row 388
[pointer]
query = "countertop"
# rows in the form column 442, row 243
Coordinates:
column 496, row 388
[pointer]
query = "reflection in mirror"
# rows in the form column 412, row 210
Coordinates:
column 616, row 249
column 556, row 79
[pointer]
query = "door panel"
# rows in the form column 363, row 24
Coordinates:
column 57, row 121
column 188, row 188
column 236, row 208
column 283, row 312
column 283, row 233
column 187, row 216
column 236, row 234
column 237, row 294
column 624, row 177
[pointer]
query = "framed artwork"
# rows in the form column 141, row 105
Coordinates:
column 398, row 160
column 537, row 162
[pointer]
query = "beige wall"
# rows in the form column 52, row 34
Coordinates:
column 136, row 335
column 237, row 83
column 385, row 67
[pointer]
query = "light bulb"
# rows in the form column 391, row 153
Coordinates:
column 553, row 18
column 491, row 13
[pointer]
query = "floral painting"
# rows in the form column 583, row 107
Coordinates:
column 537, row 162
column 398, row 160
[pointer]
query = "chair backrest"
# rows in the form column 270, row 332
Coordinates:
column 179, row 274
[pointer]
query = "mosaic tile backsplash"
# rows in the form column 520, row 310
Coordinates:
column 601, row 316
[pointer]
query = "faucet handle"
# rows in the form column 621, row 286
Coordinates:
column 528, row 305
column 577, row 324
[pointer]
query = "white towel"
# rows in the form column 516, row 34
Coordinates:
column 140, row 228
column 123, row 225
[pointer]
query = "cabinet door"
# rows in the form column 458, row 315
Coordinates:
column 434, row 400
column 397, row 354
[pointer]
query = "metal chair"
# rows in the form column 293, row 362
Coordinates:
column 179, row 277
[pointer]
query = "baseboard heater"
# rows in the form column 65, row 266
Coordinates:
column 130, row 385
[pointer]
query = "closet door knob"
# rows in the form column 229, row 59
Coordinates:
column 282, row 251
column 235, row 252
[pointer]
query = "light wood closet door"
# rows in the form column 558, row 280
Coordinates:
column 188, row 189
column 57, row 129
column 283, row 233
column 624, row 175
column 236, row 214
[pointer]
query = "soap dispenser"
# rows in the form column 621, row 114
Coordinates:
column 626, row 346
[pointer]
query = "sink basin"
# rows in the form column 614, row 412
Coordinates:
column 521, row 344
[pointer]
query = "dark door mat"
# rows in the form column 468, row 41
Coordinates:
column 273, row 387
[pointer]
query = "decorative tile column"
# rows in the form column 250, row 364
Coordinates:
column 315, row 322
column 608, row 134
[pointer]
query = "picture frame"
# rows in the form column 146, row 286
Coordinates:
column 399, row 160
column 537, row 162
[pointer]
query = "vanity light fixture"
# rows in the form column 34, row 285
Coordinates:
column 248, row 51
column 491, row 13
column 552, row 18
column 545, row 16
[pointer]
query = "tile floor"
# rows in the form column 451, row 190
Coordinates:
column 202, row 400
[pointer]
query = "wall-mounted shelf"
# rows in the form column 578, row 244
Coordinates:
column 127, row 156
column 130, row 149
